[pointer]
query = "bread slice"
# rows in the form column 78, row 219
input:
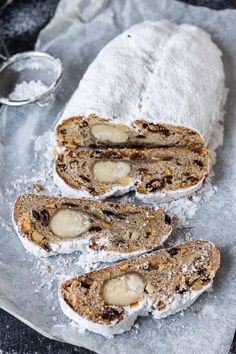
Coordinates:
column 109, row 300
column 155, row 174
column 106, row 231
column 94, row 132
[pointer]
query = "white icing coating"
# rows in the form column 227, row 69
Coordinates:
column 118, row 190
column 68, row 246
column 159, row 197
column 130, row 317
column 180, row 302
column 157, row 71
column 91, row 256
column 70, row 192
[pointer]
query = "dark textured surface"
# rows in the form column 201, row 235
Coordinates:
column 19, row 26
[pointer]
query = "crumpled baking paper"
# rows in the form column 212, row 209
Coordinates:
column 28, row 287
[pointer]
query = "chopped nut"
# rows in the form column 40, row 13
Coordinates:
column 151, row 231
column 110, row 171
column 167, row 172
column 125, row 181
column 160, row 267
column 150, row 288
column 88, row 312
column 73, row 164
column 69, row 223
column 71, row 145
column 37, row 236
column 134, row 235
column 134, row 304
column 151, row 217
column 124, row 290
column 124, row 267
column 50, row 206
column 106, row 224
column 197, row 285
column 26, row 224
column 113, row 134
column 74, row 134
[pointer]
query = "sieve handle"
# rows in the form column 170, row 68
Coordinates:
column 3, row 57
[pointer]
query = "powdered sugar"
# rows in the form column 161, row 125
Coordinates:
column 28, row 90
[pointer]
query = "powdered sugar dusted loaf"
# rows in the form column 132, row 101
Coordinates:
column 160, row 73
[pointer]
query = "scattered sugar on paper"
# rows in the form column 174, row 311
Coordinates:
column 52, row 271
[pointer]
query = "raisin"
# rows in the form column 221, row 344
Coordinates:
column 121, row 216
column 167, row 219
column 180, row 290
column 168, row 179
column 198, row 163
column 150, row 183
column 85, row 179
column 145, row 125
column 95, row 229
column 143, row 170
column 44, row 216
column 63, row 131
column 136, row 155
column 110, row 313
column 165, row 131
column 36, row 215
column 173, row 251
column 83, row 124
column 119, row 242
column 62, row 167
column 108, row 213
column 85, row 284
column 167, row 158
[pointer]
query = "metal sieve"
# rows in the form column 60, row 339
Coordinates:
column 26, row 68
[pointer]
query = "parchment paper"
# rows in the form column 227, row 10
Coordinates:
column 28, row 287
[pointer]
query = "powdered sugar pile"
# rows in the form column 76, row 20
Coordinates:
column 28, row 90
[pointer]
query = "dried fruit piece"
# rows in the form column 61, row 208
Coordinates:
column 37, row 236
column 150, row 288
column 124, row 267
column 113, row 134
column 110, row 171
column 26, row 224
column 125, row 181
column 50, row 206
column 123, row 290
column 69, row 223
